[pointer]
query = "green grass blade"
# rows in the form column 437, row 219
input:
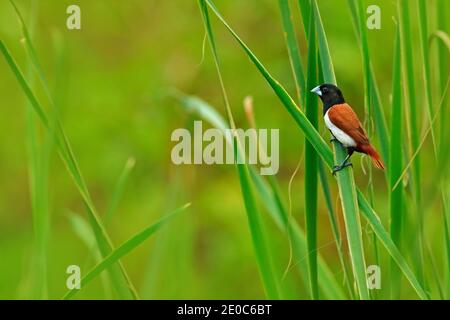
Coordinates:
column 335, row 227
column 311, row 164
column 446, row 219
column 38, row 162
column 390, row 246
column 396, row 161
column 259, row 240
column 322, row 149
column 293, row 49
column 119, row 189
column 305, row 9
column 84, row 231
column 424, row 36
column 123, row 283
column 443, row 64
column 409, row 85
column 407, row 48
column 124, row 249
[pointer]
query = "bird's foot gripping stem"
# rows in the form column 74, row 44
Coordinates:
column 340, row 167
column 343, row 165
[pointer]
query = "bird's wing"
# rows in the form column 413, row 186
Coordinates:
column 343, row 117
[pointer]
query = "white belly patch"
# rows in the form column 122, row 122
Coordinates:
column 340, row 135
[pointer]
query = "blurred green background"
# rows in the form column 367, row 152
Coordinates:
column 112, row 81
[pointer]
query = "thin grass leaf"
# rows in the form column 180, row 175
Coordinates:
column 293, row 50
column 335, row 228
column 396, row 160
column 311, row 164
column 409, row 88
column 38, row 162
column 124, row 249
column 259, row 241
column 119, row 189
column 84, row 231
column 407, row 48
column 390, row 246
column 446, row 223
column 443, row 63
column 423, row 36
column 305, row 9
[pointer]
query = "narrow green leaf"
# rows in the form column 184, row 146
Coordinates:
column 390, row 246
column 407, row 49
column 124, row 249
column 423, row 36
column 119, row 189
column 410, row 88
column 396, row 162
column 292, row 46
column 311, row 164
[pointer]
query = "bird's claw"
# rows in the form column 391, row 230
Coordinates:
column 340, row 167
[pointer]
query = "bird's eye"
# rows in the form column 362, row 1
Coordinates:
column 325, row 89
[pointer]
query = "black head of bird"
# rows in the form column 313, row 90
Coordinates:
column 329, row 94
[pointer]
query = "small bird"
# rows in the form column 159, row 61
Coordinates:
column 344, row 125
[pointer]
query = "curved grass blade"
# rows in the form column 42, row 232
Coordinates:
column 305, row 9
column 396, row 161
column 293, row 50
column 423, row 36
column 119, row 189
column 311, row 164
column 390, row 246
column 123, row 249
column 38, row 164
column 83, row 230
column 409, row 87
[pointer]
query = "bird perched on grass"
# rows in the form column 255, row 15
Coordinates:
column 345, row 126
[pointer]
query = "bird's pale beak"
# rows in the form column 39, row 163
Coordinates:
column 317, row 91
